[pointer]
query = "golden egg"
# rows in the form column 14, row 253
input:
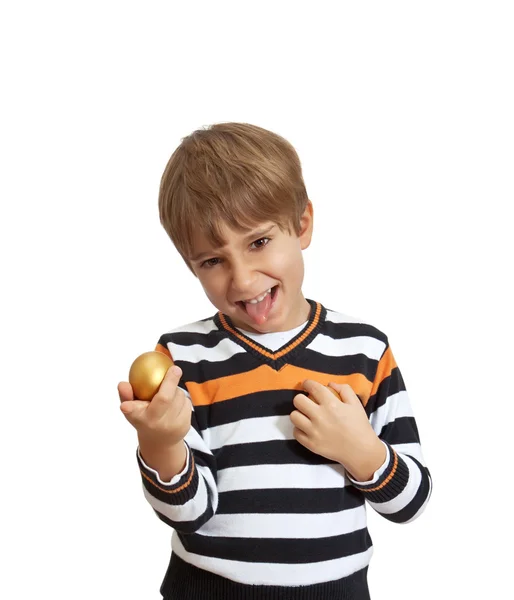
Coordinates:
column 147, row 372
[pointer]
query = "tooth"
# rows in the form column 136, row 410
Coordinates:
column 258, row 298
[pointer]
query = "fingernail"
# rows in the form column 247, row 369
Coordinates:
column 176, row 370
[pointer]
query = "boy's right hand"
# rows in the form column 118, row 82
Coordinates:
column 166, row 418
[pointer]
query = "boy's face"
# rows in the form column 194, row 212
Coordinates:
column 250, row 264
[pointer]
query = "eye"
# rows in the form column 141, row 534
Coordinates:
column 260, row 243
column 209, row 263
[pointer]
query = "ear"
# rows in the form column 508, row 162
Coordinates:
column 306, row 226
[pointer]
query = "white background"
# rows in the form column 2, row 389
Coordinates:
column 402, row 114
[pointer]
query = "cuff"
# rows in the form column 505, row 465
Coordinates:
column 179, row 489
column 149, row 470
column 388, row 481
column 377, row 474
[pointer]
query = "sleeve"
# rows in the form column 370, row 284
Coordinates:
column 401, row 487
column 190, row 499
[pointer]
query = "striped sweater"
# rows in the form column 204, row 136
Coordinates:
column 254, row 513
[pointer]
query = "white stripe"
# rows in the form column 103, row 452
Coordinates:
column 286, row 526
column 196, row 327
column 423, row 506
column 188, row 395
column 337, row 317
column 191, row 510
column 371, row 347
column 407, row 494
column 197, row 352
column 396, row 406
column 196, row 441
column 248, row 431
column 413, row 449
column 276, row 573
column 207, row 476
column 260, row 477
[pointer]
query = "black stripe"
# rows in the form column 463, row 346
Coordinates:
column 402, row 430
column 290, row 551
column 288, row 501
column 183, row 581
column 205, row 370
column 335, row 365
column 388, row 387
column 275, row 452
column 259, row 404
column 340, row 331
column 186, row 338
column 187, row 526
column 204, row 459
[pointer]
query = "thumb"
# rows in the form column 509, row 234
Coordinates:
column 170, row 381
column 160, row 403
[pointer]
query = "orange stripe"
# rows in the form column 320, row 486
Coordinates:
column 385, row 366
column 184, row 485
column 276, row 355
column 264, row 378
column 388, row 478
column 163, row 349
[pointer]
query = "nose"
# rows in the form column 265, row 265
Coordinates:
column 243, row 278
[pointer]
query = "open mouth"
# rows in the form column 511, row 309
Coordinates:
column 273, row 294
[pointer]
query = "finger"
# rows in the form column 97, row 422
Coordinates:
column 334, row 392
column 134, row 410
column 125, row 391
column 302, row 437
column 318, row 391
column 306, row 406
column 300, row 421
column 345, row 392
column 163, row 398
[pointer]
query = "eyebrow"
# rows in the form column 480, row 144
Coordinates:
column 254, row 235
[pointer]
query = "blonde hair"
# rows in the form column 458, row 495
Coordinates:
column 231, row 174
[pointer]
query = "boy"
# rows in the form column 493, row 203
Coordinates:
column 280, row 417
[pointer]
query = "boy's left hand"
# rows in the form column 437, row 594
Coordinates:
column 337, row 429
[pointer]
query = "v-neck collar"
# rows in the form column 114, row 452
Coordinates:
column 281, row 356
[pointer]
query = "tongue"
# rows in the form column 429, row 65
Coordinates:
column 259, row 312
